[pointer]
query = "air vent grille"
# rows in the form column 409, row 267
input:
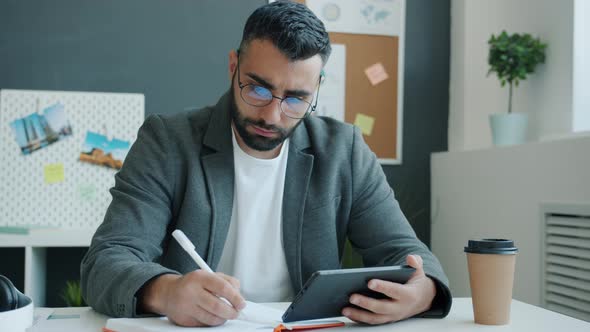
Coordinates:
column 567, row 265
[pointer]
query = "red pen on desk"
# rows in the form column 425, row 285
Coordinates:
column 282, row 328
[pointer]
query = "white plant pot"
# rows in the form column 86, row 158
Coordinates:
column 509, row 128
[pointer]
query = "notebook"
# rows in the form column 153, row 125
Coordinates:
column 257, row 317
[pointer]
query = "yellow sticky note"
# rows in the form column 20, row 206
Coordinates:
column 364, row 122
column 54, row 173
column 376, row 73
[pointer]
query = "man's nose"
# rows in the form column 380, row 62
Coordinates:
column 271, row 113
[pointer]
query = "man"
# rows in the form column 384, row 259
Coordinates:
column 266, row 191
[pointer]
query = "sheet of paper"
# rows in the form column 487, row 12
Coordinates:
column 372, row 17
column 258, row 313
column 365, row 122
column 54, row 173
column 376, row 73
column 333, row 88
column 260, row 318
column 161, row 324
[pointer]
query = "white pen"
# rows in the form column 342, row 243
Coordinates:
column 189, row 247
column 249, row 313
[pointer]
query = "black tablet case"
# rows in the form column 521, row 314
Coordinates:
column 327, row 292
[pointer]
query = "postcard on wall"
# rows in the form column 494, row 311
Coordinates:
column 370, row 17
column 36, row 131
column 99, row 150
column 331, row 101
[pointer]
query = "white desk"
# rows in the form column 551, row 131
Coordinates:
column 525, row 317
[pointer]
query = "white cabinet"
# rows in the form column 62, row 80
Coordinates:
column 500, row 192
column 35, row 244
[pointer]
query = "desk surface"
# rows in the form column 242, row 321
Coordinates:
column 524, row 317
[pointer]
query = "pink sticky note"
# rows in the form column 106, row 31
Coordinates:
column 376, row 73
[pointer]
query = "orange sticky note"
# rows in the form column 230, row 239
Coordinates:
column 365, row 122
column 376, row 73
column 54, row 173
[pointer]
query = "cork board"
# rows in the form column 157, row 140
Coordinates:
column 379, row 101
column 383, row 102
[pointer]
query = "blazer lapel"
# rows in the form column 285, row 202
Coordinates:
column 218, row 166
column 298, row 174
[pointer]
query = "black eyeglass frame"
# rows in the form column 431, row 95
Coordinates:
column 307, row 112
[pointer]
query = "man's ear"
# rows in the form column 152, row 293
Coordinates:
column 232, row 64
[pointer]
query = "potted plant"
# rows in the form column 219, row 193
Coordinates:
column 72, row 294
column 512, row 58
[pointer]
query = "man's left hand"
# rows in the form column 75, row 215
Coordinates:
column 403, row 300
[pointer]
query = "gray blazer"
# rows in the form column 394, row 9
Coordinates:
column 179, row 174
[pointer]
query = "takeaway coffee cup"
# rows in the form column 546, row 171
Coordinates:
column 491, row 276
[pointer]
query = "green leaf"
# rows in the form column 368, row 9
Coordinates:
column 513, row 56
column 72, row 294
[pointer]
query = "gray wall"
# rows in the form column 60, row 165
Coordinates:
column 173, row 52
column 177, row 54
column 426, row 107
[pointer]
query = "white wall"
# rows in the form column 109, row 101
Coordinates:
column 546, row 95
column 581, row 102
column 497, row 193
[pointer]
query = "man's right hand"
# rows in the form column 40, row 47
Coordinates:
column 194, row 298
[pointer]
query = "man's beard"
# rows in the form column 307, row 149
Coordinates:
column 253, row 141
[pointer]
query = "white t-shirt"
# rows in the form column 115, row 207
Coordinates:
column 253, row 252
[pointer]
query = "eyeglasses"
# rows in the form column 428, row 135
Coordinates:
column 259, row 96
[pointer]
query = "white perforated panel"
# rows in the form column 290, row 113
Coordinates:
column 80, row 201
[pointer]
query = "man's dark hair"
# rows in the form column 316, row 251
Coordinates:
column 291, row 27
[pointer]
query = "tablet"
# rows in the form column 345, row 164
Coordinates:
column 327, row 292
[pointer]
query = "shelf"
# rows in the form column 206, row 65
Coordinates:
column 48, row 237
column 35, row 243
